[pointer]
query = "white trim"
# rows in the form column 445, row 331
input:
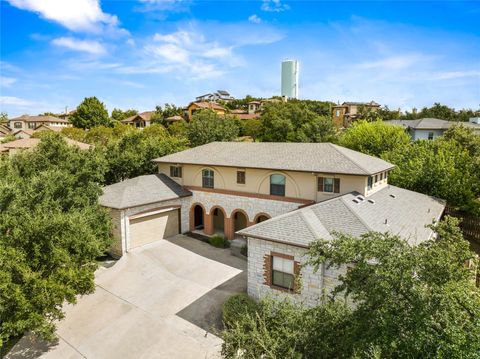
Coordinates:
column 141, row 215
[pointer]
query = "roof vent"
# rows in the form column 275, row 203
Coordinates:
column 355, row 200
column 371, row 201
column 393, row 196
column 360, row 198
column 386, row 221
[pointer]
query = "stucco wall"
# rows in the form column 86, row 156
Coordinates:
column 298, row 184
column 313, row 284
column 423, row 134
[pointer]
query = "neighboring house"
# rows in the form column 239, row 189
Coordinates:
column 219, row 95
column 140, row 120
column 23, row 133
column 175, row 118
column 277, row 248
column 197, row 106
column 431, row 128
column 26, row 122
column 4, row 131
column 343, row 115
column 10, row 148
column 254, row 106
column 223, row 187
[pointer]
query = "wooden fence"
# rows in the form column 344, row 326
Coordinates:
column 470, row 225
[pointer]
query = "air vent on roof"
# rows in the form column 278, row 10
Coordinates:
column 355, row 200
column 360, row 198
column 371, row 201
column 393, row 196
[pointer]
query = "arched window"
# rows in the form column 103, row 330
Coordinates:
column 277, row 185
column 207, row 178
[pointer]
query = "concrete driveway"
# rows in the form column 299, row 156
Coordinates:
column 133, row 312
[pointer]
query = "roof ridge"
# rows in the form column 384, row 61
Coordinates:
column 350, row 209
column 309, row 218
column 348, row 157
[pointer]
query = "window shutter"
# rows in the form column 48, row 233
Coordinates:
column 297, row 276
column 267, row 269
column 336, row 185
column 320, row 184
column 172, row 174
column 180, row 172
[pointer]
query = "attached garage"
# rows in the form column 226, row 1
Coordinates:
column 145, row 209
column 148, row 228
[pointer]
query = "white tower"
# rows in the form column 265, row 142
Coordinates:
column 290, row 71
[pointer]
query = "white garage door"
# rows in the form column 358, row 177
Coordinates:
column 147, row 229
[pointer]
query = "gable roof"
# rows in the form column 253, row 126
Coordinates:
column 392, row 209
column 304, row 157
column 431, row 124
column 141, row 190
column 4, row 129
column 211, row 105
column 350, row 103
column 145, row 116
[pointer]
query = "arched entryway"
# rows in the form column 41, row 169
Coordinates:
column 198, row 217
column 240, row 220
column 261, row 217
column 218, row 220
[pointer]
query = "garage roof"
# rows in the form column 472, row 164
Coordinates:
column 141, row 190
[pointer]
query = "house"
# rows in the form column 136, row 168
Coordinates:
column 224, row 187
column 277, row 247
column 216, row 96
column 13, row 147
column 254, row 106
column 431, row 128
column 197, row 106
column 175, row 118
column 29, row 133
column 26, row 122
column 343, row 115
column 140, row 120
column 23, row 133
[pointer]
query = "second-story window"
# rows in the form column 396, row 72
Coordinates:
column 207, row 179
column 370, row 182
column 17, row 125
column 329, row 185
column 277, row 185
column 241, row 177
column 176, row 171
column 31, row 125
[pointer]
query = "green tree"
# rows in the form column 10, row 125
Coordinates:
column 3, row 118
column 295, row 122
column 74, row 133
column 409, row 302
column 90, row 113
column 178, row 129
column 252, row 128
column 119, row 115
column 51, row 231
column 440, row 168
column 374, row 138
column 207, row 126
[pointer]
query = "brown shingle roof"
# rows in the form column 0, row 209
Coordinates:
column 27, row 118
column 26, row 143
column 211, row 105
column 146, row 116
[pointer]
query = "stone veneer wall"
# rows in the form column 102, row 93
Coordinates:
column 252, row 206
column 312, row 285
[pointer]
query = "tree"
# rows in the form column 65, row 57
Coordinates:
column 51, row 231
column 77, row 134
column 207, row 126
column 252, row 128
column 374, row 138
column 409, row 302
column 90, row 113
column 178, row 129
column 295, row 122
column 3, row 118
column 440, row 168
column 161, row 114
column 119, row 115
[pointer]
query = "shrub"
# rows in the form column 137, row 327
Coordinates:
column 236, row 307
column 219, row 241
column 244, row 250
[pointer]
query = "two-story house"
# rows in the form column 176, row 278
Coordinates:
column 26, row 122
column 343, row 115
column 197, row 106
column 278, row 196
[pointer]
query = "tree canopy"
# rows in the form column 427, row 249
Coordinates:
column 90, row 113
column 295, row 122
column 207, row 126
column 119, row 115
column 51, row 231
column 410, row 302
column 374, row 138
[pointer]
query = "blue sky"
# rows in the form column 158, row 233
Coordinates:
column 137, row 54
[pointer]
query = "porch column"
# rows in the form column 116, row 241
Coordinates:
column 208, row 224
column 229, row 230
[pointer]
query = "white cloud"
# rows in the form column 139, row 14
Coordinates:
column 255, row 19
column 396, row 62
column 448, row 75
column 75, row 15
column 15, row 101
column 274, row 6
column 7, row 81
column 89, row 46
